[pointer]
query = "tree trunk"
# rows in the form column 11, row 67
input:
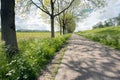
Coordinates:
column 8, row 25
column 60, row 27
column 60, row 30
column 52, row 19
column 52, row 27
column 64, row 29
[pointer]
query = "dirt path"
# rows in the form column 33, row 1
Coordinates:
column 87, row 60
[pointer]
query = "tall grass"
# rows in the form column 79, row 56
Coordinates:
column 109, row 36
column 34, row 54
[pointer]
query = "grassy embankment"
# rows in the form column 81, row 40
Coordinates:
column 109, row 36
column 36, row 50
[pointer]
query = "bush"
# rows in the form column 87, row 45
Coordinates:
column 33, row 56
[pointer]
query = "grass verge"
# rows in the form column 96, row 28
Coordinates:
column 109, row 36
column 51, row 69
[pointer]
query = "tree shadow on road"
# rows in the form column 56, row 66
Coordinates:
column 94, row 61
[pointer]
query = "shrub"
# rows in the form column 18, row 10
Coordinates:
column 33, row 56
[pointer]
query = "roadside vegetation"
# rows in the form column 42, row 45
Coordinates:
column 109, row 36
column 34, row 55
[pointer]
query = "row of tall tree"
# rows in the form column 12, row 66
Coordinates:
column 53, row 8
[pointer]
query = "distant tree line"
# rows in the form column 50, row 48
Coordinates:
column 108, row 23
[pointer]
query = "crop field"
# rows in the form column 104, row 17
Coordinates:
column 109, row 36
column 32, row 35
column 36, row 49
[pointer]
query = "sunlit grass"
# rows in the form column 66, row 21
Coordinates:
column 31, row 35
column 109, row 36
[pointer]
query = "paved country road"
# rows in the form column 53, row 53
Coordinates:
column 88, row 60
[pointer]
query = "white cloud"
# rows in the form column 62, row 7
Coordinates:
column 111, row 10
column 32, row 22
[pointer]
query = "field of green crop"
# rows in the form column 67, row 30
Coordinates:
column 28, row 35
column 32, row 35
column 35, row 52
column 109, row 36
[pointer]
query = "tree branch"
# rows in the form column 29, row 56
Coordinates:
column 64, row 9
column 41, row 1
column 44, row 10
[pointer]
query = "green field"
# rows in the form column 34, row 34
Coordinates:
column 109, row 36
column 32, row 35
column 36, row 49
column 29, row 35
